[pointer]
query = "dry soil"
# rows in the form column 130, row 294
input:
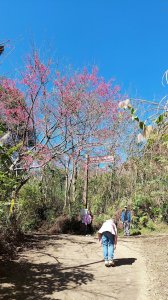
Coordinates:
column 71, row 267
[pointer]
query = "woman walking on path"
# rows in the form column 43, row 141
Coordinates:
column 107, row 234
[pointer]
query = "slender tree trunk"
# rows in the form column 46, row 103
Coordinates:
column 85, row 191
column 74, row 179
column 66, row 188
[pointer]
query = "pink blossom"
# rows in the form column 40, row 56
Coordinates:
column 103, row 89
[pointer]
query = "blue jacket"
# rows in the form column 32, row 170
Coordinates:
column 127, row 217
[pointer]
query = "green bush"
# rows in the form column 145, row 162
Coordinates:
column 143, row 220
column 150, row 225
column 142, row 205
column 4, row 213
column 135, row 221
column 135, row 231
column 164, row 211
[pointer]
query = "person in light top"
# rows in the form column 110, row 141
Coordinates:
column 87, row 220
column 107, row 234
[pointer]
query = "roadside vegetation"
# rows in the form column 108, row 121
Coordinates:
column 47, row 126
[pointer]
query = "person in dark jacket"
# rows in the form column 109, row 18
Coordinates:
column 126, row 220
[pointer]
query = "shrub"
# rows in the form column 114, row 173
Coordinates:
column 143, row 220
column 135, row 231
column 65, row 224
column 150, row 224
column 135, row 221
column 164, row 211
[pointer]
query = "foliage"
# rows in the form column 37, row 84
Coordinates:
column 46, row 191
column 143, row 221
column 48, row 125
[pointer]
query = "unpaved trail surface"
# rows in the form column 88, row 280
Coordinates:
column 155, row 249
column 71, row 267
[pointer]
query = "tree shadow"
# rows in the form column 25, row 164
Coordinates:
column 38, row 242
column 29, row 281
column 124, row 261
column 24, row 280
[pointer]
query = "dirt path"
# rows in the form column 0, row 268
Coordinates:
column 71, row 267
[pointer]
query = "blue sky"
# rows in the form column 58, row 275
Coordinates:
column 126, row 39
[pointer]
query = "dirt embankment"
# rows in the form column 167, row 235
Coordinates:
column 71, row 267
column 156, row 254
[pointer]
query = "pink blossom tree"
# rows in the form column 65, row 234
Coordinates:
column 88, row 113
column 58, row 119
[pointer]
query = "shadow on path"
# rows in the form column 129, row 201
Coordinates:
column 23, row 280
column 29, row 281
column 124, row 261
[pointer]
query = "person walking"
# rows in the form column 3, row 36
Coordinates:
column 107, row 234
column 126, row 220
column 90, row 223
column 87, row 220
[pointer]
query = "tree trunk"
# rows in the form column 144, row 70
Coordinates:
column 85, row 191
column 74, row 179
